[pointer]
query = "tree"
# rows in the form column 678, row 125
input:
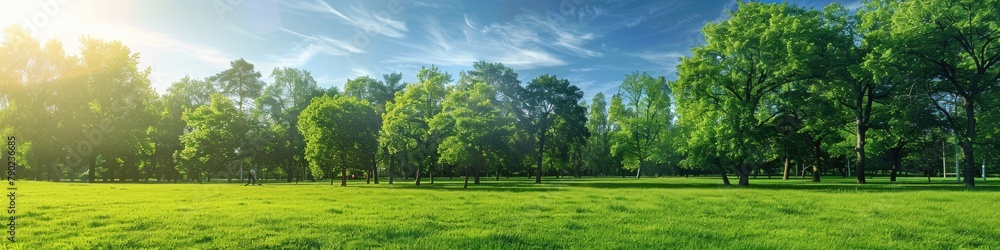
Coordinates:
column 406, row 122
column 546, row 99
column 740, row 70
column 377, row 93
column 473, row 128
column 598, row 150
column 860, row 81
column 35, row 103
column 911, row 120
column 958, row 39
column 339, row 133
column 510, row 100
column 182, row 96
column 641, row 110
column 240, row 82
column 120, row 94
column 283, row 101
column 213, row 140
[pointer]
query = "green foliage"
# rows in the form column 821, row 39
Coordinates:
column 283, row 102
column 240, row 82
column 214, row 138
column 957, row 42
column 549, row 100
column 641, row 113
column 474, row 129
column 739, row 72
column 406, row 123
column 599, row 159
column 340, row 133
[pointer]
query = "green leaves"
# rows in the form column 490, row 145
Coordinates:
column 339, row 132
column 641, row 112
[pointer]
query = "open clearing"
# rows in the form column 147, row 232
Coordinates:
column 512, row 214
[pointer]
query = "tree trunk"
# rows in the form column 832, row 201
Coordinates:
column 391, row 165
column 787, row 163
column 860, row 149
column 431, row 174
column 725, row 178
column 816, row 173
column 638, row 170
column 743, row 174
column 967, row 142
column 477, row 172
column 93, row 168
column 343, row 176
column 416, row 176
column 541, row 152
column 466, row 185
column 894, row 157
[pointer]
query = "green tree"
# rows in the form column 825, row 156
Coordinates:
column 958, row 39
column 406, row 122
column 473, row 128
column 740, row 70
column 641, row 111
column 283, row 101
column 598, row 150
column 119, row 104
column 35, row 88
column 911, row 119
column 182, row 96
column 212, row 142
column 377, row 93
column 339, row 133
column 546, row 99
column 240, row 82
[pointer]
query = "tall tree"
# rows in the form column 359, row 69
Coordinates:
column 182, row 96
column 598, row 150
column 473, row 128
column 339, row 133
column 547, row 98
column 406, row 122
column 741, row 68
column 121, row 95
column 959, row 40
column 641, row 110
column 240, row 82
column 283, row 101
column 212, row 142
column 860, row 80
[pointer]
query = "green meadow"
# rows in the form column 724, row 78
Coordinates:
column 601, row 213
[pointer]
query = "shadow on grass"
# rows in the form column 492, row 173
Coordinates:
column 549, row 185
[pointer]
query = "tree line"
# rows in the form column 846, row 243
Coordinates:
column 774, row 89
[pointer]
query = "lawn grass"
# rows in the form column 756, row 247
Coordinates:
column 602, row 213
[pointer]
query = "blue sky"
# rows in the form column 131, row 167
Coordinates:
column 592, row 43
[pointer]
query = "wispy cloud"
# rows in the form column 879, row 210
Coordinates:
column 361, row 18
column 468, row 45
column 315, row 6
column 527, row 42
column 666, row 60
column 309, row 47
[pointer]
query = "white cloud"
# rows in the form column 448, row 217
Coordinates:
column 309, row 48
column 855, row 5
column 372, row 22
column 517, row 48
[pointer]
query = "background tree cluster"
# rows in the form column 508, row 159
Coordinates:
column 892, row 88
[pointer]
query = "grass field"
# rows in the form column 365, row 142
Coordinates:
column 603, row 213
